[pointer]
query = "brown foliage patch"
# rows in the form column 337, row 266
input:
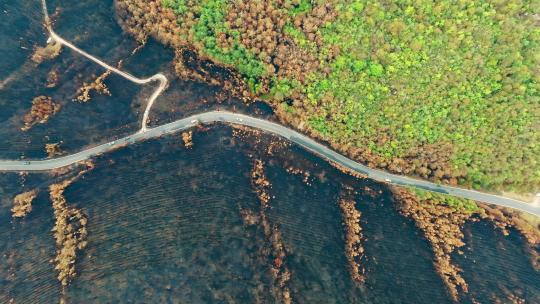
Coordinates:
column 441, row 226
column 260, row 183
column 43, row 107
column 83, row 93
column 187, row 138
column 306, row 176
column 430, row 161
column 53, row 149
column 52, row 79
column 261, row 27
column 50, row 51
column 353, row 239
column 505, row 218
column 69, row 229
column 22, row 203
column 69, row 232
column 279, row 269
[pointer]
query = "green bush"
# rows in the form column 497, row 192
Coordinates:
column 210, row 24
column 451, row 201
column 462, row 76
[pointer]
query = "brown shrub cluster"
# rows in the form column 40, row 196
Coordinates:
column 430, row 162
column 312, row 20
column 22, row 203
column 353, row 239
column 279, row 270
column 249, row 217
column 260, row 183
column 50, row 51
column 441, row 226
column 69, row 229
column 246, row 133
column 505, row 218
column 83, row 93
column 144, row 18
column 347, row 171
column 306, row 176
column 261, row 26
column 277, row 146
column 53, row 149
column 52, row 79
column 69, row 232
column 187, row 138
column 43, row 107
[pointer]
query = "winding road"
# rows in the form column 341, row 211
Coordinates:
column 277, row 129
column 235, row 118
column 163, row 82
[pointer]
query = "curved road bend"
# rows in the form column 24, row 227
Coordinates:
column 158, row 77
column 298, row 138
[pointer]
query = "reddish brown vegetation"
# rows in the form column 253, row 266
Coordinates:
column 53, row 149
column 353, row 239
column 347, row 170
column 261, row 26
column 428, row 161
column 83, row 93
column 69, row 230
column 43, row 108
column 277, row 146
column 441, row 226
column 306, row 176
column 260, row 183
column 143, row 18
column 505, row 218
column 279, row 269
column 69, row 233
column 243, row 132
column 249, row 217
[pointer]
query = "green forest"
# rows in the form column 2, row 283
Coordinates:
column 447, row 90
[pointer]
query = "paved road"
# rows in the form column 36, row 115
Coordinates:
column 217, row 116
column 298, row 138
